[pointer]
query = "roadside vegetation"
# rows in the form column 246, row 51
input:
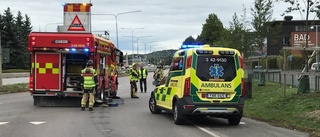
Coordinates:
column 295, row 111
column 14, row 88
column 15, row 71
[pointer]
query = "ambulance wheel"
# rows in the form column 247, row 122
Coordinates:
column 153, row 107
column 177, row 116
column 235, row 120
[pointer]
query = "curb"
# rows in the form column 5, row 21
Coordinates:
column 15, row 75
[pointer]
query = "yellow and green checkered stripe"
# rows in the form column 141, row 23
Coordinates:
column 46, row 68
column 162, row 95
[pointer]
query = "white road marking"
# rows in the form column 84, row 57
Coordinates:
column 3, row 123
column 107, row 130
column 37, row 122
column 207, row 131
column 242, row 123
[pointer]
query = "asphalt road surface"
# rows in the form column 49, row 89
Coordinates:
column 9, row 81
column 19, row 118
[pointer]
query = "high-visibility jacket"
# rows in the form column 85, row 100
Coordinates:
column 158, row 75
column 89, row 76
column 134, row 75
column 143, row 73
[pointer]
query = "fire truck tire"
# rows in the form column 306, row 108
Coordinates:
column 102, row 93
column 114, row 93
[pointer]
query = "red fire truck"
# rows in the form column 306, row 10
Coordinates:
column 58, row 58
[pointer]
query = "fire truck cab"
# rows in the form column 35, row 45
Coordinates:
column 58, row 58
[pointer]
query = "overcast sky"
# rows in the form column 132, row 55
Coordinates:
column 169, row 22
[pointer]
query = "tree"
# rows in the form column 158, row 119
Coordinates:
column 190, row 40
column 15, row 31
column 18, row 58
column 27, row 28
column 262, row 13
column 9, row 37
column 211, row 30
column 238, row 36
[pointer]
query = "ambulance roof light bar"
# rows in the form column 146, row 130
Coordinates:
column 190, row 46
column 193, row 46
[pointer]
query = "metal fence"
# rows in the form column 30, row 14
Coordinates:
column 292, row 79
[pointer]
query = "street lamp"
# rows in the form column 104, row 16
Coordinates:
column 317, row 59
column 138, row 42
column 116, row 17
column 0, row 62
column 51, row 24
column 132, row 38
column 145, row 48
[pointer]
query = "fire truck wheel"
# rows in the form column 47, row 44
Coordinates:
column 114, row 92
column 102, row 93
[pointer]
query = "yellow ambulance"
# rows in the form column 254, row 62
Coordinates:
column 204, row 81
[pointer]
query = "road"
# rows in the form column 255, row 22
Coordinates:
column 18, row 117
column 9, row 81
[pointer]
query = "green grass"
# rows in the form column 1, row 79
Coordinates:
column 295, row 111
column 14, row 88
column 15, row 70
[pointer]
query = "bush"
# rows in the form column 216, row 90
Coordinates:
column 15, row 71
column 296, row 64
column 272, row 63
column 14, row 88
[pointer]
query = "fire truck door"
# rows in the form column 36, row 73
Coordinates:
column 47, row 74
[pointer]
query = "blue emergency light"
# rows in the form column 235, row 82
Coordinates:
column 191, row 46
column 63, row 4
column 86, row 50
column 73, row 49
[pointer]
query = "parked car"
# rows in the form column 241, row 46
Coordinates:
column 314, row 66
column 258, row 67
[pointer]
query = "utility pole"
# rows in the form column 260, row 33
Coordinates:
column 317, row 59
column 0, row 61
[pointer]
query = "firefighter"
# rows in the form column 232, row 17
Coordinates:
column 88, row 82
column 158, row 75
column 143, row 78
column 134, row 77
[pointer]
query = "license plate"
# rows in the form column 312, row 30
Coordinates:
column 215, row 95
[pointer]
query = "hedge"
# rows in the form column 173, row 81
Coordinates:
column 277, row 63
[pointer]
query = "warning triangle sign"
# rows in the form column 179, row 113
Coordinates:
column 76, row 25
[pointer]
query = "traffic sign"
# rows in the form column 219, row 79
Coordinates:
column 290, row 58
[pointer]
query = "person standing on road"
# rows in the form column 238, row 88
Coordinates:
column 158, row 75
column 134, row 78
column 89, row 81
column 143, row 78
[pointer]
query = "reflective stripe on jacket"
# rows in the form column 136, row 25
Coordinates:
column 88, row 77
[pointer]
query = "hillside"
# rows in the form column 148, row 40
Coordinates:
column 154, row 57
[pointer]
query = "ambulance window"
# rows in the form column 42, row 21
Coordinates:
column 177, row 64
column 216, row 68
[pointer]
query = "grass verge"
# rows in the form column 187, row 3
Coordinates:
column 15, row 71
column 14, row 88
column 295, row 111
